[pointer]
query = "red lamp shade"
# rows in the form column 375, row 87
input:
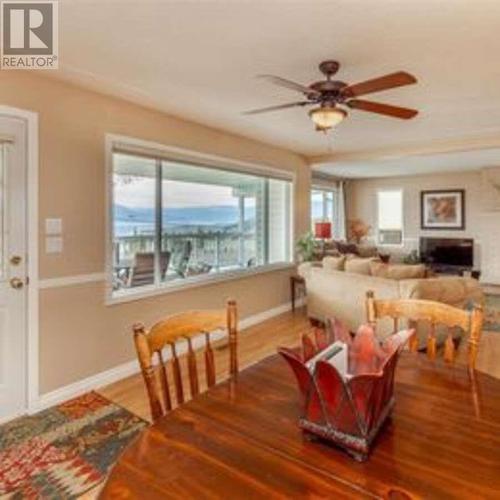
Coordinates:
column 323, row 230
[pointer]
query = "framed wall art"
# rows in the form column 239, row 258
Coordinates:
column 444, row 209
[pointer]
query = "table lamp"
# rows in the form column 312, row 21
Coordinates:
column 323, row 231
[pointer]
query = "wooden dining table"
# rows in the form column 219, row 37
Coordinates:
column 240, row 439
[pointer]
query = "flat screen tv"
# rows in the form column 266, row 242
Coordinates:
column 457, row 252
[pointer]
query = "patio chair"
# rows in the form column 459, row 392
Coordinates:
column 142, row 271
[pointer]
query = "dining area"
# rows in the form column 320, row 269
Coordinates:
column 230, row 419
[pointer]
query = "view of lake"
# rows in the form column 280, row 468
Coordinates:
column 131, row 221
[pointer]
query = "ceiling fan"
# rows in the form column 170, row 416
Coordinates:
column 329, row 94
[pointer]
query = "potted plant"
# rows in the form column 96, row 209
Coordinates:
column 412, row 258
column 306, row 247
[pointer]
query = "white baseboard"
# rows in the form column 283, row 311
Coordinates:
column 87, row 384
column 132, row 367
column 492, row 280
column 5, row 419
column 270, row 313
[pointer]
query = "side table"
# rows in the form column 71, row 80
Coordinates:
column 297, row 283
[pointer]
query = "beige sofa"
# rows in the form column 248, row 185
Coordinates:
column 342, row 294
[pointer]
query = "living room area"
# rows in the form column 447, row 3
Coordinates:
column 249, row 249
column 407, row 235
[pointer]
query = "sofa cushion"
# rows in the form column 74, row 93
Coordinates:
column 397, row 271
column 358, row 265
column 334, row 263
column 367, row 251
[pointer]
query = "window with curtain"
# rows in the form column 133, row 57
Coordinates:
column 390, row 217
column 175, row 222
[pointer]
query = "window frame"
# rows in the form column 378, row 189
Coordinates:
column 323, row 190
column 335, row 192
column 143, row 148
column 393, row 245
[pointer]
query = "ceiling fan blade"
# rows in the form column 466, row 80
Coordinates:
column 390, row 81
column 276, row 108
column 283, row 82
column 382, row 109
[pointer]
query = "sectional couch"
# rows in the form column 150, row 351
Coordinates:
column 334, row 291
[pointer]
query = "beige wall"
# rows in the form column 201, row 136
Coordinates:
column 79, row 335
column 362, row 203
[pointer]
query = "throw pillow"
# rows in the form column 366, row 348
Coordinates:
column 334, row 263
column 330, row 245
column 359, row 265
column 397, row 271
column 347, row 247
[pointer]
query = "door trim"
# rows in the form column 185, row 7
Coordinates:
column 30, row 118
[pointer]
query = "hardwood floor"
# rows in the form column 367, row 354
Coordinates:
column 260, row 341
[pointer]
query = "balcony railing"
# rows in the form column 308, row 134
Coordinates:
column 210, row 251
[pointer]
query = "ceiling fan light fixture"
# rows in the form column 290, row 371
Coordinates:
column 327, row 117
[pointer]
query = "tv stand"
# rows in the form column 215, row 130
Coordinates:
column 444, row 269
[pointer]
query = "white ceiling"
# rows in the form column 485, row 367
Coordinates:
column 414, row 165
column 199, row 59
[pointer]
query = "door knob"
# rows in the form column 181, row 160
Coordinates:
column 15, row 260
column 16, row 283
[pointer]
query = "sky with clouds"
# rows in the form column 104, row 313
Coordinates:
column 140, row 193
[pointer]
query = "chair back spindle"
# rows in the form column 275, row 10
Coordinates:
column 165, row 337
column 176, row 367
column 164, row 383
column 192, row 368
column 209, row 361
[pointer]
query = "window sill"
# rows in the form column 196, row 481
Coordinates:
column 194, row 282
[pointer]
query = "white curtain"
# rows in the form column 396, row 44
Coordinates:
column 340, row 225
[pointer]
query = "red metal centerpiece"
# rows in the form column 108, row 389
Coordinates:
column 346, row 383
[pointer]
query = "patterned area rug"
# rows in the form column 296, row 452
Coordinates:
column 64, row 451
column 492, row 313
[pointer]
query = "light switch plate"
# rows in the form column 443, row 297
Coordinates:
column 53, row 244
column 53, row 226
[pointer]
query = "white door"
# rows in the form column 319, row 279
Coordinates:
column 13, row 257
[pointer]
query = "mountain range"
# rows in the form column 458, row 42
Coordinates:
column 214, row 215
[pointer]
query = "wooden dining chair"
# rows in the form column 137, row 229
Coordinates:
column 164, row 338
column 434, row 313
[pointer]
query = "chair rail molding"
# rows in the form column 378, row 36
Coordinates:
column 70, row 280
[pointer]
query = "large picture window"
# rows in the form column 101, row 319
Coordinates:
column 175, row 222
